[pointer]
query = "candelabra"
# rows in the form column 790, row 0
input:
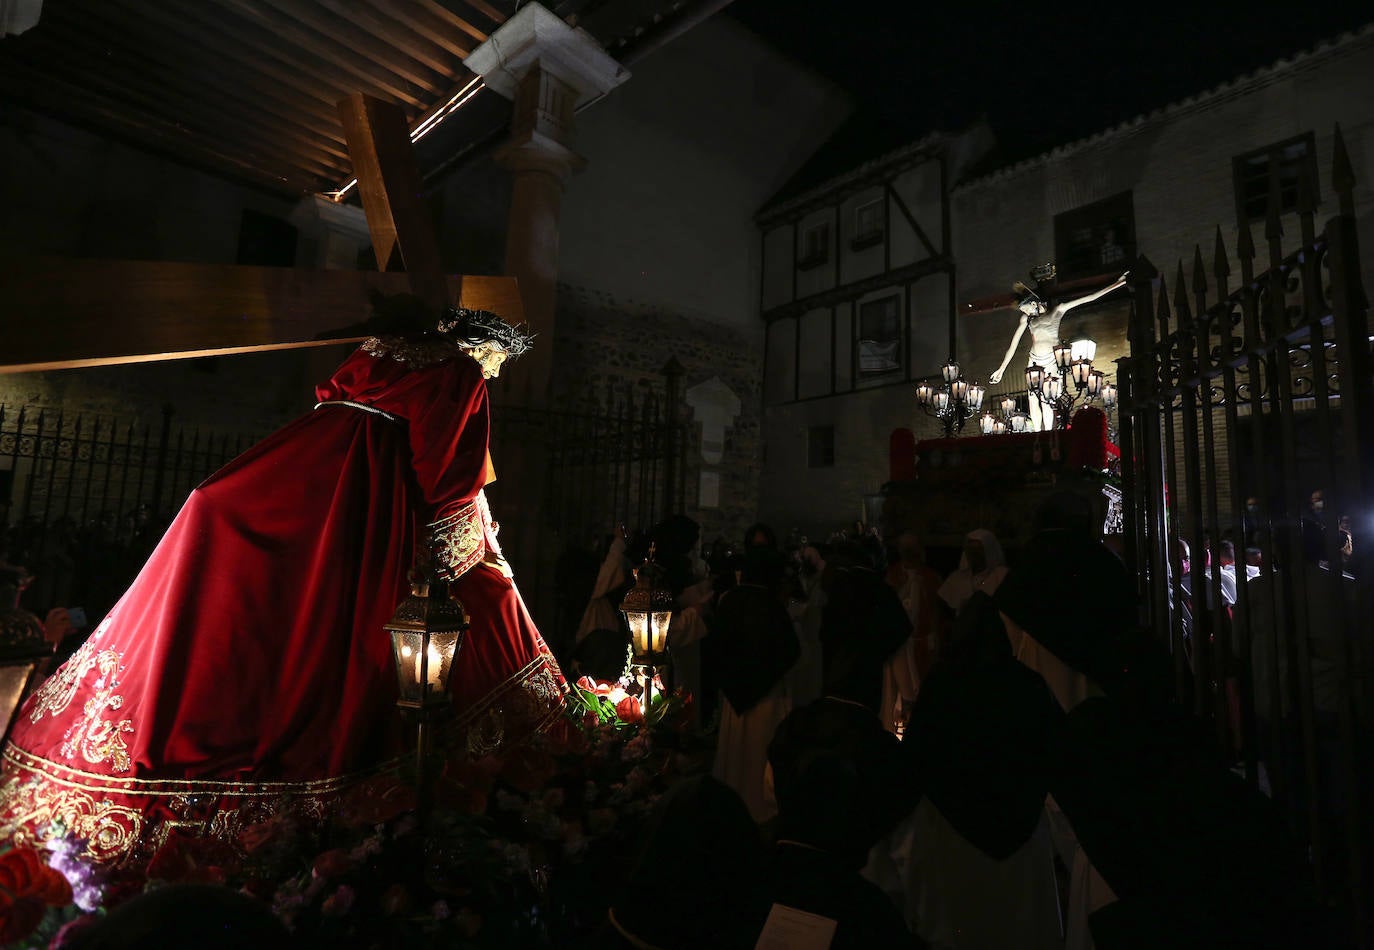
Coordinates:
column 1073, row 361
column 953, row 403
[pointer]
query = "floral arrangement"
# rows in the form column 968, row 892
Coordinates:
column 520, row 848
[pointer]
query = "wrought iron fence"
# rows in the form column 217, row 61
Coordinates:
column 1266, row 392
column 616, row 456
column 86, row 496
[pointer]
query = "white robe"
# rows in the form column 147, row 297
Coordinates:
column 955, row 897
column 742, row 749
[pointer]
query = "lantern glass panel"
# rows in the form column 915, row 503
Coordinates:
column 648, row 630
column 975, row 397
column 924, row 392
column 1084, row 349
column 1082, row 369
column 1095, row 381
column 1008, row 405
column 1034, row 377
column 958, row 389
column 942, row 400
column 950, row 371
column 1053, row 386
column 423, row 663
column 999, row 428
column 1109, row 395
column 987, row 423
column 1018, row 422
column 1063, row 356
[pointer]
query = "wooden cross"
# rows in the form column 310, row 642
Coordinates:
column 63, row 313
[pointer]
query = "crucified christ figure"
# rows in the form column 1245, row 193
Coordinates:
column 1043, row 322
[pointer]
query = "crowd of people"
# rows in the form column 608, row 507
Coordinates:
column 910, row 759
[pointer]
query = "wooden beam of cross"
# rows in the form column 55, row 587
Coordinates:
column 63, row 314
column 68, row 313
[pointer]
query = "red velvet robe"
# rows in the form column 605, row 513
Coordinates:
column 248, row 661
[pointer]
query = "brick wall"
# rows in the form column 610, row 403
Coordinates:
column 600, row 337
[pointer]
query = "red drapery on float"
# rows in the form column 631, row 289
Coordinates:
column 246, row 668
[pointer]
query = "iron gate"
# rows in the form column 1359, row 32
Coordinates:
column 1265, row 391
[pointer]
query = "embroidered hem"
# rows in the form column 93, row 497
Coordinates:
column 126, row 819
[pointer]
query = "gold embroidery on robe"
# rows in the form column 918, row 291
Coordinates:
column 457, row 542
column 98, row 740
column 32, row 805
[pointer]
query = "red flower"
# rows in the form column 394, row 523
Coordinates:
column 186, row 859
column 27, row 888
column 334, row 863
column 24, row 874
column 253, row 838
column 629, row 710
column 376, row 801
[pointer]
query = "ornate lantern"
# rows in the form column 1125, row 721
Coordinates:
column 426, row 631
column 1082, row 369
column 975, row 397
column 1083, row 349
column 958, row 390
column 1052, row 387
column 1063, row 357
column 950, row 371
column 1018, row 421
column 648, row 610
column 1008, row 406
column 942, row 400
column 924, row 393
column 1035, row 376
column 1095, row 381
column 1109, row 395
column 987, row 422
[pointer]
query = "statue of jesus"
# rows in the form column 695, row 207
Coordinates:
column 1043, row 322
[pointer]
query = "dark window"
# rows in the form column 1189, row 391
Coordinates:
column 820, row 447
column 1277, row 172
column 266, row 241
column 868, row 225
column 1095, row 238
column 815, row 247
column 880, row 336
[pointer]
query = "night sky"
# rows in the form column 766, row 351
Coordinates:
column 1041, row 76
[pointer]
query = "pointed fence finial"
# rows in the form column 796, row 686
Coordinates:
column 1162, row 311
column 1343, row 174
column 1185, row 314
column 1221, row 264
column 1143, row 269
column 1199, row 271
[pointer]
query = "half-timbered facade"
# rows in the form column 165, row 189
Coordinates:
column 840, row 368
column 856, row 295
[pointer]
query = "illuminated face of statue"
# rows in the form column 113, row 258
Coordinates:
column 490, row 357
column 1031, row 307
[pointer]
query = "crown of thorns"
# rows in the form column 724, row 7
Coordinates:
column 475, row 327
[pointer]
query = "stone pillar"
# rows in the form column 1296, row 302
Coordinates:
column 548, row 69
